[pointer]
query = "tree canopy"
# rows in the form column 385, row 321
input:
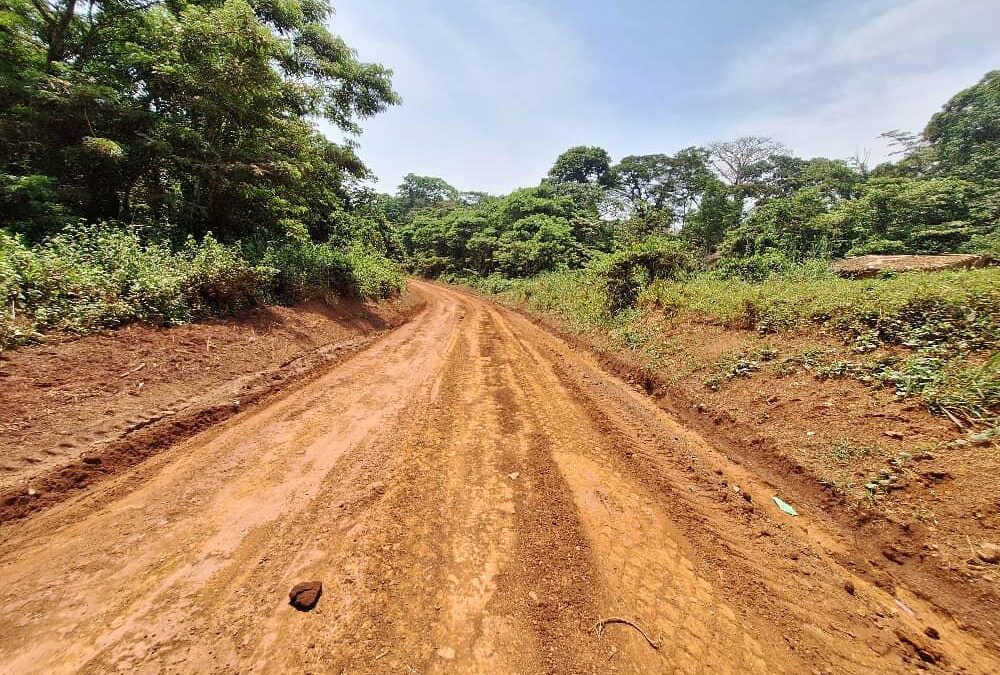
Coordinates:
column 182, row 114
column 745, row 197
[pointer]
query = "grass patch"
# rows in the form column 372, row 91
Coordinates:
column 844, row 451
column 933, row 335
column 960, row 309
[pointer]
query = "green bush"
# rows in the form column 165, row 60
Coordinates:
column 304, row 269
column 754, row 269
column 219, row 280
column 375, row 276
column 92, row 277
column 909, row 309
column 626, row 273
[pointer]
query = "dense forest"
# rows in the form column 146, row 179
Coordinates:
column 160, row 161
column 747, row 203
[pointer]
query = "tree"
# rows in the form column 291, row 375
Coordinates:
column 965, row 135
column 661, row 189
column 786, row 225
column 186, row 114
column 783, row 175
column 716, row 214
column 582, row 164
column 420, row 192
column 741, row 161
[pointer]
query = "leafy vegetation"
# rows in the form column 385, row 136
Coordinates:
column 748, row 201
column 741, row 233
column 930, row 335
column 96, row 277
column 160, row 161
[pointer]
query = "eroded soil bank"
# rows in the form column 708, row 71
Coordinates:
column 76, row 411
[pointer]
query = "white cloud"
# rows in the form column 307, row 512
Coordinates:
column 864, row 107
column 832, row 84
column 494, row 91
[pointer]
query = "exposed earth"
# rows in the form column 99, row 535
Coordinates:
column 474, row 493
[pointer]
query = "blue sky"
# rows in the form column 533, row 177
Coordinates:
column 493, row 91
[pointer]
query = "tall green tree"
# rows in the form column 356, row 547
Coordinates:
column 661, row 189
column 420, row 192
column 582, row 164
column 192, row 115
column 965, row 134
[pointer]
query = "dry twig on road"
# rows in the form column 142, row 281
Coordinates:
column 599, row 629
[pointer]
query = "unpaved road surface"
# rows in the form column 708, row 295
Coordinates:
column 475, row 495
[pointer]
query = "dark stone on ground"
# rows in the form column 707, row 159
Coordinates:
column 305, row 595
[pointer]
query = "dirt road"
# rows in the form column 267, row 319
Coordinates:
column 475, row 496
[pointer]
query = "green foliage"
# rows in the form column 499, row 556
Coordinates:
column 739, row 364
column 187, row 130
column 527, row 232
column 970, row 392
column 95, row 277
column 965, row 135
column 420, row 192
column 912, row 309
column 660, row 190
column 789, row 225
column 304, row 269
column 626, row 273
column 186, row 116
column 374, row 276
column 891, row 215
column 754, row 269
column 582, row 164
column 944, row 327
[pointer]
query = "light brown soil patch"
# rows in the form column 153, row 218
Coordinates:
column 78, row 411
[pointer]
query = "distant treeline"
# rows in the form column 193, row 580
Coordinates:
column 743, row 199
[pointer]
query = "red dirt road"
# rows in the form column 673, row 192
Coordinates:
column 475, row 495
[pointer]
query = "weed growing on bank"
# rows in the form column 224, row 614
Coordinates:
column 88, row 278
column 947, row 323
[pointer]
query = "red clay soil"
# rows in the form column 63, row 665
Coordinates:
column 475, row 495
column 77, row 411
column 925, row 535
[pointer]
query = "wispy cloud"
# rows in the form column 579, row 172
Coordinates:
column 831, row 84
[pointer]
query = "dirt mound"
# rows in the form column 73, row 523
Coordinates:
column 870, row 265
column 78, row 411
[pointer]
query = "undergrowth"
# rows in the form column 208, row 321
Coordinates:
column 934, row 335
column 94, row 277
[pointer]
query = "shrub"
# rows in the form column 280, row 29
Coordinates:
column 375, row 276
column 92, row 277
column 304, row 269
column 219, row 280
column 627, row 273
column 754, row 269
